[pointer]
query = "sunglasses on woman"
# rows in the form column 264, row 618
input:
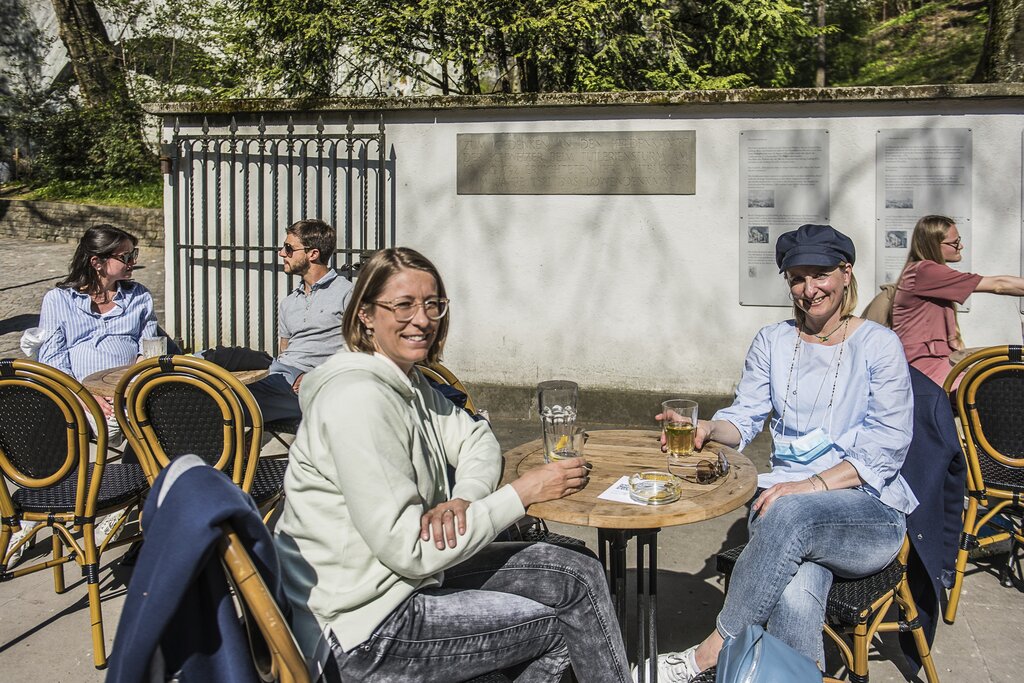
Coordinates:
column 127, row 257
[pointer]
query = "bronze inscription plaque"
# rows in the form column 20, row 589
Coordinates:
column 648, row 162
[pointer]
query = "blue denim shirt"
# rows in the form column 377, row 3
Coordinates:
column 871, row 418
column 82, row 341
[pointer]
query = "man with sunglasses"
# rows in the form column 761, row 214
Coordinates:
column 309, row 318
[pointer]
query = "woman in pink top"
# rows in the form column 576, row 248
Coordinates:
column 923, row 314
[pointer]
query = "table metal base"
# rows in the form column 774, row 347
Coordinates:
column 612, row 553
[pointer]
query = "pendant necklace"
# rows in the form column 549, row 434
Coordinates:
column 823, row 338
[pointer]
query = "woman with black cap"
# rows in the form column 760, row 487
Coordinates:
column 837, row 390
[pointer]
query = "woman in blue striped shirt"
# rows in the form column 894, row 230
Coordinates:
column 97, row 316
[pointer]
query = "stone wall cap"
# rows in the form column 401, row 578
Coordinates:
column 591, row 99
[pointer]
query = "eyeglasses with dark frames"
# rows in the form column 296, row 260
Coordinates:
column 701, row 472
column 127, row 257
column 955, row 243
column 404, row 310
column 289, row 249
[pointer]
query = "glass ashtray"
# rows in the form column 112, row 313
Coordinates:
column 654, row 488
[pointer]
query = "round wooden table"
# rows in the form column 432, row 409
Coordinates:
column 104, row 383
column 615, row 453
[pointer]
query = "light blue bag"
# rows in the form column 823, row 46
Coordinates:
column 755, row 656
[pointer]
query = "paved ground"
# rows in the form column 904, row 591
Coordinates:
column 983, row 645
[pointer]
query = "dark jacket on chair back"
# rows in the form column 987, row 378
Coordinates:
column 935, row 471
column 179, row 616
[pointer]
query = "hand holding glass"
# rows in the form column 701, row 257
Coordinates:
column 679, row 422
column 562, row 441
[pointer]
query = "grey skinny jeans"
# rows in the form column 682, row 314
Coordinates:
column 529, row 607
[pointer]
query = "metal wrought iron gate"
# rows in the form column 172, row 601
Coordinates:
column 233, row 194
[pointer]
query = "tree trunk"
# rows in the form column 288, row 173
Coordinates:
column 819, row 75
column 99, row 72
column 1002, row 58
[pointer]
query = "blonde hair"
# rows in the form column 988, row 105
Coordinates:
column 926, row 242
column 373, row 278
column 846, row 307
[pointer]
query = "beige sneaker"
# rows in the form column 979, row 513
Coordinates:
column 26, row 527
column 105, row 524
column 674, row 667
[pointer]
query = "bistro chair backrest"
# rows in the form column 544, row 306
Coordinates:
column 45, row 453
column 989, row 403
column 275, row 653
column 176, row 405
column 44, row 432
column 992, row 396
column 442, row 375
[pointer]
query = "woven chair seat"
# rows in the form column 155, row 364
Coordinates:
column 706, row 676
column 121, row 483
column 849, row 599
column 285, row 426
column 269, row 479
column 533, row 534
column 496, row 677
column 998, row 475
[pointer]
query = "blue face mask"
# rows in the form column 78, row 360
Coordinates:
column 804, row 449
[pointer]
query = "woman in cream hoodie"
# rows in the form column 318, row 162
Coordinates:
column 389, row 568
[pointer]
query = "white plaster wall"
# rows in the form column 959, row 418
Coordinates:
column 641, row 292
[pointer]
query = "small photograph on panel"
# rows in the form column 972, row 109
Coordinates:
column 761, row 199
column 895, row 239
column 902, row 199
column 757, row 234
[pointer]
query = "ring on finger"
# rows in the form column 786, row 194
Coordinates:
column 447, row 510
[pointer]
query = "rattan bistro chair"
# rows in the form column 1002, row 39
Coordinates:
column 990, row 403
column 438, row 373
column 857, row 608
column 44, row 454
column 275, row 653
column 175, row 405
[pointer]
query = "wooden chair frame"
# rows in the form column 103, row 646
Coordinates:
column 874, row 621
column 74, row 402
column 442, row 375
column 275, row 652
column 240, row 454
column 980, row 367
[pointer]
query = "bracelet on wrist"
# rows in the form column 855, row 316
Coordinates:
column 819, row 478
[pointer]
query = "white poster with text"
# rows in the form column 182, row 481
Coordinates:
column 784, row 184
column 919, row 172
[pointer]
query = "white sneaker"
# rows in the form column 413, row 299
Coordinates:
column 105, row 524
column 17, row 536
column 674, row 667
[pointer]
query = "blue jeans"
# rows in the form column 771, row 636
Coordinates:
column 782, row 578
column 276, row 398
column 532, row 608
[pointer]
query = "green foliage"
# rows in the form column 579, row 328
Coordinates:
column 753, row 42
column 939, row 42
column 331, row 47
column 72, row 142
column 147, row 195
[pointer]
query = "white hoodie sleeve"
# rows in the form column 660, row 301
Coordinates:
column 373, row 448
